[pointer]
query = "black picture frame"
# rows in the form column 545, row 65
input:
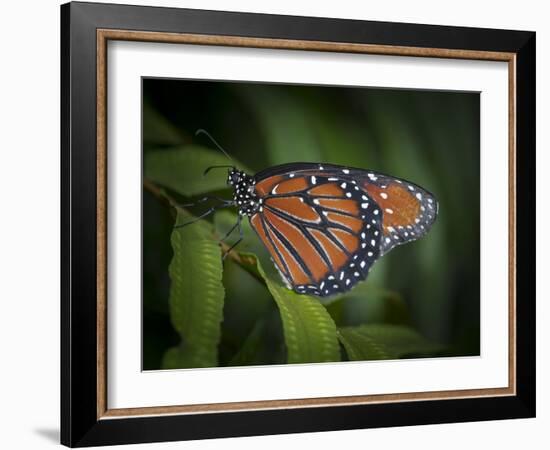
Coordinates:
column 80, row 425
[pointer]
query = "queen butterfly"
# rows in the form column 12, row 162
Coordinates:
column 325, row 225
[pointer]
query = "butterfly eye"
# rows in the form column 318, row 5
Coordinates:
column 235, row 178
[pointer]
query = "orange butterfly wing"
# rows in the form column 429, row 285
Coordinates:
column 409, row 211
column 322, row 232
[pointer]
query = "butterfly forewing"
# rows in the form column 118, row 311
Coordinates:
column 323, row 232
column 408, row 210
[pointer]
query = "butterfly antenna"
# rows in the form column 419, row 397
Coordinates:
column 208, row 169
column 201, row 131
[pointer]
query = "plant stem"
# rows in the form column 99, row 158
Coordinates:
column 160, row 194
column 165, row 198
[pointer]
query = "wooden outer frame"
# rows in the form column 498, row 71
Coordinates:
column 86, row 420
column 103, row 36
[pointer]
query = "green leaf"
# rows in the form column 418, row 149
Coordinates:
column 196, row 295
column 310, row 332
column 252, row 346
column 181, row 169
column 368, row 303
column 368, row 342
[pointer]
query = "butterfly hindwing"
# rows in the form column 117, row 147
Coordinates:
column 409, row 211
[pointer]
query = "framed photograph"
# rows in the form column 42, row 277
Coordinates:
column 276, row 224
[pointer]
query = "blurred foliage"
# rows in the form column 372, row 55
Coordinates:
column 190, row 162
column 366, row 342
column 422, row 299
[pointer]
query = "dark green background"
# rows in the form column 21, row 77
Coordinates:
column 430, row 138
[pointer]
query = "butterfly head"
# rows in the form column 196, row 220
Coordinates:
column 244, row 194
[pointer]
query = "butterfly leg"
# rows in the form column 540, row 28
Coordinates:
column 241, row 236
column 237, row 225
column 202, row 216
column 205, row 199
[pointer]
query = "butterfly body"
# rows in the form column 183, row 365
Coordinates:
column 244, row 194
column 325, row 225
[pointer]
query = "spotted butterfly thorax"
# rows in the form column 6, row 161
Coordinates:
column 325, row 225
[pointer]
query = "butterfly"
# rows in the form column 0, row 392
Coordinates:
column 325, row 225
